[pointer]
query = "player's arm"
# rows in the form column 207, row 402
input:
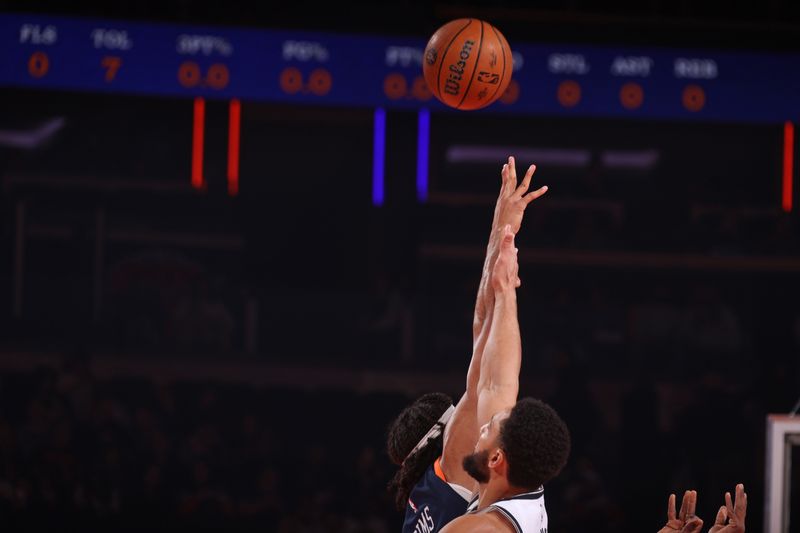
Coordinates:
column 478, row 523
column 498, row 385
column 509, row 209
column 462, row 431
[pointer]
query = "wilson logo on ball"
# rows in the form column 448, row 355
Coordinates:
column 453, row 83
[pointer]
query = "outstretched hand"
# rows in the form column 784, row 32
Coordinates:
column 513, row 200
column 730, row 517
column 685, row 521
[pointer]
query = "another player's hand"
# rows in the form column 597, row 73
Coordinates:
column 505, row 274
column 513, row 200
column 730, row 518
column 685, row 520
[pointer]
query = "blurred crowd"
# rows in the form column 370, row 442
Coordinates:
column 135, row 452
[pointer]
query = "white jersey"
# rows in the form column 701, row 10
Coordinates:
column 525, row 512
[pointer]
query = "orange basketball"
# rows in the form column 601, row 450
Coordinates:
column 467, row 64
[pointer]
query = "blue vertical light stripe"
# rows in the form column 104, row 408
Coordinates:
column 378, row 156
column 423, row 142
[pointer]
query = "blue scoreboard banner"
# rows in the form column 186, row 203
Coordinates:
column 355, row 70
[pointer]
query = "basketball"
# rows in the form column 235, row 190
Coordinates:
column 467, row 64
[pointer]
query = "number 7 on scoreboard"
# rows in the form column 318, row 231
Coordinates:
column 111, row 64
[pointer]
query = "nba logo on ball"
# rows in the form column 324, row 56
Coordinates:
column 467, row 64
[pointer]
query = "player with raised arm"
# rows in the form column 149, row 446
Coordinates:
column 522, row 444
column 430, row 438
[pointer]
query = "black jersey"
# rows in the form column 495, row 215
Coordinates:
column 433, row 503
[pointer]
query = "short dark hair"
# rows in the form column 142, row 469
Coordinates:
column 536, row 442
column 404, row 433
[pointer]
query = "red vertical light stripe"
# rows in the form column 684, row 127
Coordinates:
column 234, row 123
column 197, row 142
column 788, row 165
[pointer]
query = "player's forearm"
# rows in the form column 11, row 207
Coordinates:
column 484, row 303
column 498, row 385
column 502, row 356
column 478, row 349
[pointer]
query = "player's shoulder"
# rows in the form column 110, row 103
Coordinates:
column 435, row 478
column 479, row 523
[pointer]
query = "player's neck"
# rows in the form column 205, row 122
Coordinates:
column 496, row 489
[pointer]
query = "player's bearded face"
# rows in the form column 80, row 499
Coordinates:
column 477, row 466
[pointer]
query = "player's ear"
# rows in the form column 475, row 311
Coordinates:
column 497, row 458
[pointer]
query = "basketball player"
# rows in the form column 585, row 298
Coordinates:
column 519, row 450
column 429, row 438
column 523, row 445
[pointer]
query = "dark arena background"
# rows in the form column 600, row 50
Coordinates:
column 237, row 239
